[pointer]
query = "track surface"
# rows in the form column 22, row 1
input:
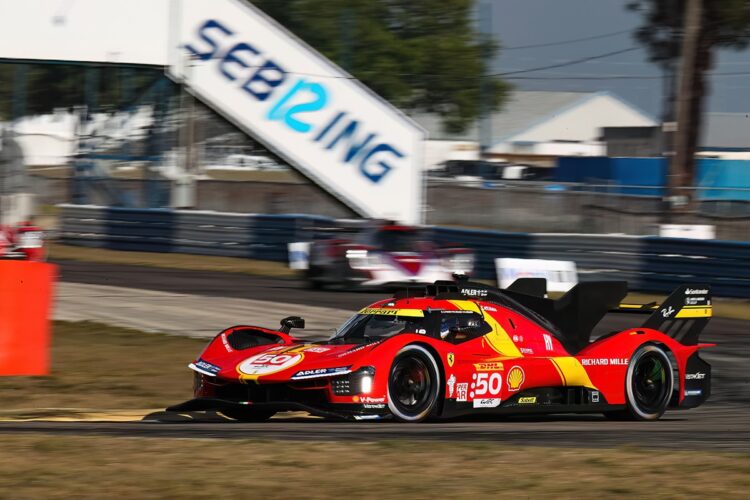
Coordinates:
column 211, row 283
column 724, row 422
column 713, row 427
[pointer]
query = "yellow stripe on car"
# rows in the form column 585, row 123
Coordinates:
column 695, row 312
column 572, row 371
column 498, row 338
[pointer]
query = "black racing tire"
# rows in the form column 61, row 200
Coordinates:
column 413, row 384
column 649, row 382
column 243, row 415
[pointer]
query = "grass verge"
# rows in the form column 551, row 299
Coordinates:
column 43, row 466
column 58, row 251
column 104, row 367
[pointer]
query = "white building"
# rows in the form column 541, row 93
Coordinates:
column 540, row 123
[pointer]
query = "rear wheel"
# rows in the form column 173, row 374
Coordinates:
column 648, row 384
column 413, row 384
column 243, row 415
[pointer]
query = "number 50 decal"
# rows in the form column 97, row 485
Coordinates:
column 487, row 383
column 268, row 363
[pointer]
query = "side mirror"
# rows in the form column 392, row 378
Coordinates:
column 292, row 322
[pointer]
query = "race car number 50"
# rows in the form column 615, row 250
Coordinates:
column 267, row 363
column 487, row 383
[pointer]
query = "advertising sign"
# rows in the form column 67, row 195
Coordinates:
column 561, row 275
column 297, row 103
column 695, row 231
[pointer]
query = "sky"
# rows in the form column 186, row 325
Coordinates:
column 517, row 23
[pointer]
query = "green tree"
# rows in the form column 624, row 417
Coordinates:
column 418, row 54
column 724, row 24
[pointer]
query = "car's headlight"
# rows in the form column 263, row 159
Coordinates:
column 362, row 380
column 365, row 384
column 358, row 382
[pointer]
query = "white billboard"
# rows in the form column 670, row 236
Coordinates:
column 250, row 69
column 106, row 31
column 300, row 105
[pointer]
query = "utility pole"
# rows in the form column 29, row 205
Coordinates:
column 681, row 168
column 669, row 84
column 485, row 114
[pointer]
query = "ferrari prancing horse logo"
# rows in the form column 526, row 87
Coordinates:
column 451, row 359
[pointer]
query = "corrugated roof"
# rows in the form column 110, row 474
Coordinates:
column 726, row 131
column 521, row 110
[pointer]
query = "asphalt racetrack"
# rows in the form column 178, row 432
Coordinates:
column 722, row 423
column 714, row 427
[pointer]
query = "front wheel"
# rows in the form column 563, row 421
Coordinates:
column 648, row 384
column 413, row 384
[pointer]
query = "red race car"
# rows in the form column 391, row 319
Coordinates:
column 22, row 242
column 457, row 347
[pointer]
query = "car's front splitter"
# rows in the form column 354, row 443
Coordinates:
column 335, row 411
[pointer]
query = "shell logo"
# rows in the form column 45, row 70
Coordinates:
column 516, row 378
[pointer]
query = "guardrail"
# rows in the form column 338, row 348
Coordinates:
column 647, row 263
column 251, row 236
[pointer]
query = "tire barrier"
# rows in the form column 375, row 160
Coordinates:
column 25, row 306
column 647, row 263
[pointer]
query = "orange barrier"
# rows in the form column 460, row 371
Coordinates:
column 25, row 305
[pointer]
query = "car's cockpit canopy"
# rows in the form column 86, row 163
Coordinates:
column 374, row 324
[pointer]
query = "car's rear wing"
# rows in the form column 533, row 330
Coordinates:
column 682, row 316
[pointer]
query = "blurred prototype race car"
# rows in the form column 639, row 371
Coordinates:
column 456, row 348
column 22, row 242
column 383, row 254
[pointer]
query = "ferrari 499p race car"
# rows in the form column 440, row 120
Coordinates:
column 456, row 347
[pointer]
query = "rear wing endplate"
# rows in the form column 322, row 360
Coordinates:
column 682, row 316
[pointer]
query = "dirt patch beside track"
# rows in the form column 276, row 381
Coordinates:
column 99, row 366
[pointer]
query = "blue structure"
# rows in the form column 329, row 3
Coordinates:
column 633, row 176
column 648, row 176
column 732, row 174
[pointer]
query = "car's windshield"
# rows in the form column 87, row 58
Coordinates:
column 372, row 327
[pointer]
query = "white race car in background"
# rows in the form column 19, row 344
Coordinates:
column 383, row 254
